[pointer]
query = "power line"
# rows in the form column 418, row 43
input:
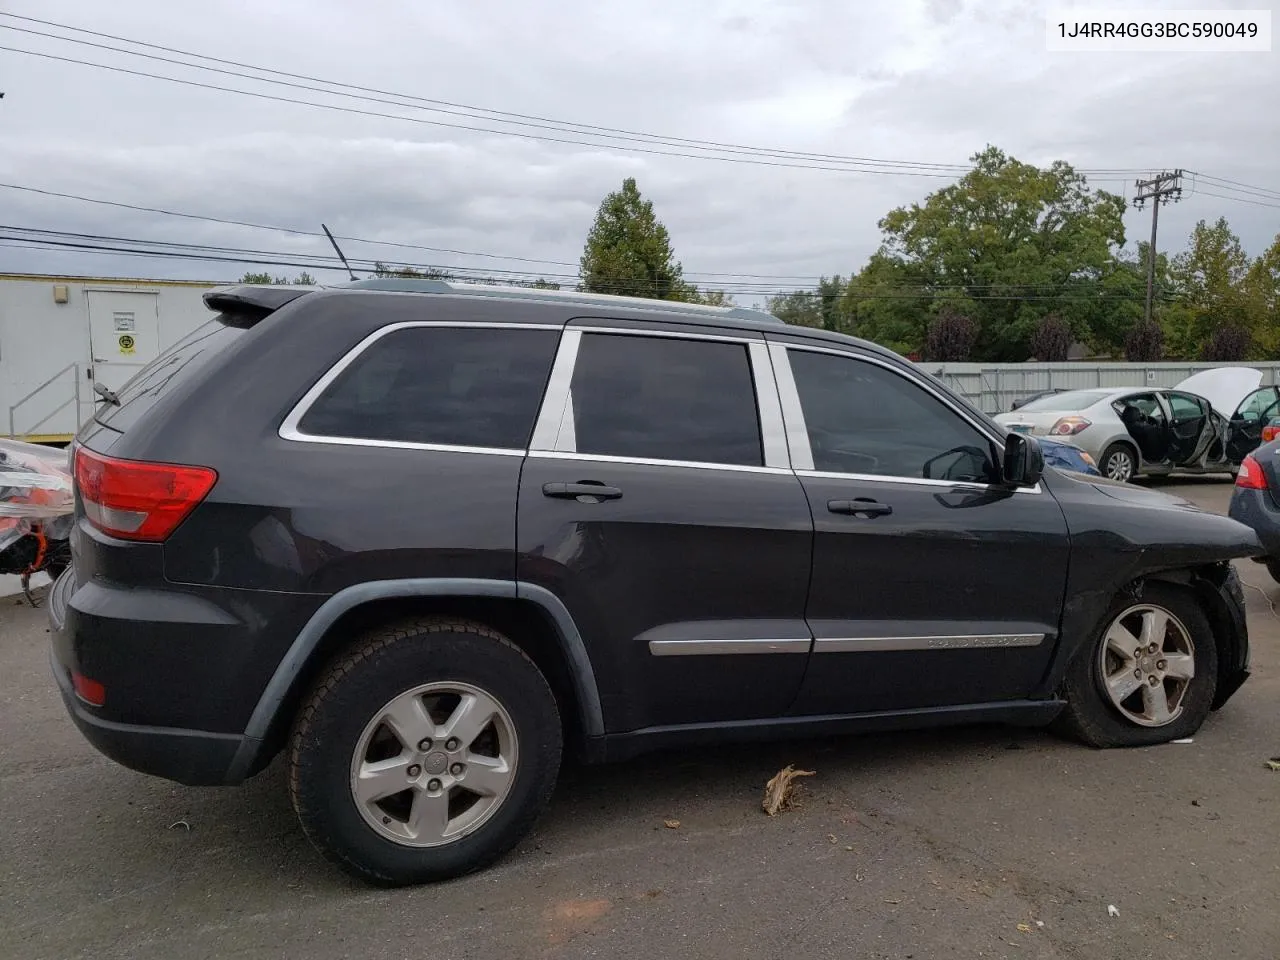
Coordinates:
column 1267, row 192
column 421, row 103
column 470, row 110
column 903, row 292
column 753, row 161
column 328, row 261
column 388, row 243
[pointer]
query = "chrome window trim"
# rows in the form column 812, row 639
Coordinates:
column 798, row 431
column 792, row 413
column 898, row 644
column 549, row 426
column 692, row 648
column 650, row 462
column 289, row 426
column 773, row 431
column 554, row 432
column 741, row 337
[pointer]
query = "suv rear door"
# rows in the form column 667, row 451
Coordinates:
column 657, row 503
column 932, row 585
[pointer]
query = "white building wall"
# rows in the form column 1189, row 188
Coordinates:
column 40, row 338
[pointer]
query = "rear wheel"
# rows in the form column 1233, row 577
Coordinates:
column 1273, row 568
column 1149, row 675
column 425, row 753
column 1118, row 463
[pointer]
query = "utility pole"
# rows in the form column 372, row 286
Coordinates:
column 1162, row 188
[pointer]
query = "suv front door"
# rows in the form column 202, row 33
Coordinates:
column 658, row 505
column 932, row 584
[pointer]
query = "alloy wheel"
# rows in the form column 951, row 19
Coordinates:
column 1119, row 466
column 1146, row 664
column 434, row 764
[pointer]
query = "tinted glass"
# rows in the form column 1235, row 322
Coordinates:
column 865, row 419
column 466, row 387
column 1070, row 401
column 1184, row 407
column 665, row 398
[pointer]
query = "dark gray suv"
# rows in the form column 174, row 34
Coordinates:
column 423, row 537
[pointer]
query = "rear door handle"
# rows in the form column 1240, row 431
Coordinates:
column 586, row 492
column 860, row 507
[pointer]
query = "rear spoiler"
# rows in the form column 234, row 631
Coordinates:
column 245, row 304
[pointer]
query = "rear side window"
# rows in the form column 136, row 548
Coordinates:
column 1067, row 402
column 454, row 386
column 665, row 398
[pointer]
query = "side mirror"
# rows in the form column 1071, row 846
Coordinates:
column 1023, row 460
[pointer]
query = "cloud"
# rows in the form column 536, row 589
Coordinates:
column 932, row 80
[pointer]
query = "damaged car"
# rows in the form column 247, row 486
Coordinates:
column 1208, row 423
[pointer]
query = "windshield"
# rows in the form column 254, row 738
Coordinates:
column 1071, row 400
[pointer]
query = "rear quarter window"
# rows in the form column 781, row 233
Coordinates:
column 440, row 386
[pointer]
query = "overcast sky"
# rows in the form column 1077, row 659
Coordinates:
column 910, row 80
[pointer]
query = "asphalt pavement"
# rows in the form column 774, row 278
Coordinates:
column 980, row 842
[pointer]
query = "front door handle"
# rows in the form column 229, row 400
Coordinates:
column 585, row 492
column 860, row 507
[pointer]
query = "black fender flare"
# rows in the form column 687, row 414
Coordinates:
column 304, row 645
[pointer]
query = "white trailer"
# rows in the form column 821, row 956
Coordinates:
column 58, row 335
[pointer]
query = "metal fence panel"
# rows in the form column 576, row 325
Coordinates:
column 993, row 387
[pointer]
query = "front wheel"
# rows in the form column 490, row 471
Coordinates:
column 1149, row 675
column 426, row 752
column 1118, row 463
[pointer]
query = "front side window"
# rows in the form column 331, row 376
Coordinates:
column 454, row 386
column 1259, row 405
column 665, row 398
column 864, row 419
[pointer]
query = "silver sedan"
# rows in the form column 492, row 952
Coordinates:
column 1132, row 431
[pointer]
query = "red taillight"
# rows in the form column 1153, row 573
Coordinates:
column 132, row 500
column 1069, row 426
column 90, row 691
column 1270, row 432
column 1251, row 476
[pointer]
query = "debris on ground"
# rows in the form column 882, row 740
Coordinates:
column 779, row 791
column 180, row 823
column 671, row 824
column 1024, row 928
column 1184, row 740
column 1273, row 763
column 1113, row 910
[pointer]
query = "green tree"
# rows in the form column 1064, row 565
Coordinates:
column 628, row 251
column 252, row 277
column 1006, row 244
column 383, row 270
column 304, row 279
column 1209, row 284
column 827, row 308
column 799, row 307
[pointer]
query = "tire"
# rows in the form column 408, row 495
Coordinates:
column 1092, row 716
column 516, row 756
column 1118, row 463
column 1273, row 568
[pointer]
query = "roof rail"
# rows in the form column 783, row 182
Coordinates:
column 435, row 285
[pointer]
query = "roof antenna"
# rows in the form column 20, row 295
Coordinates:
column 338, row 249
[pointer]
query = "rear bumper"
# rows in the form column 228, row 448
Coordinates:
column 1258, row 510
column 171, row 705
column 190, row 757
